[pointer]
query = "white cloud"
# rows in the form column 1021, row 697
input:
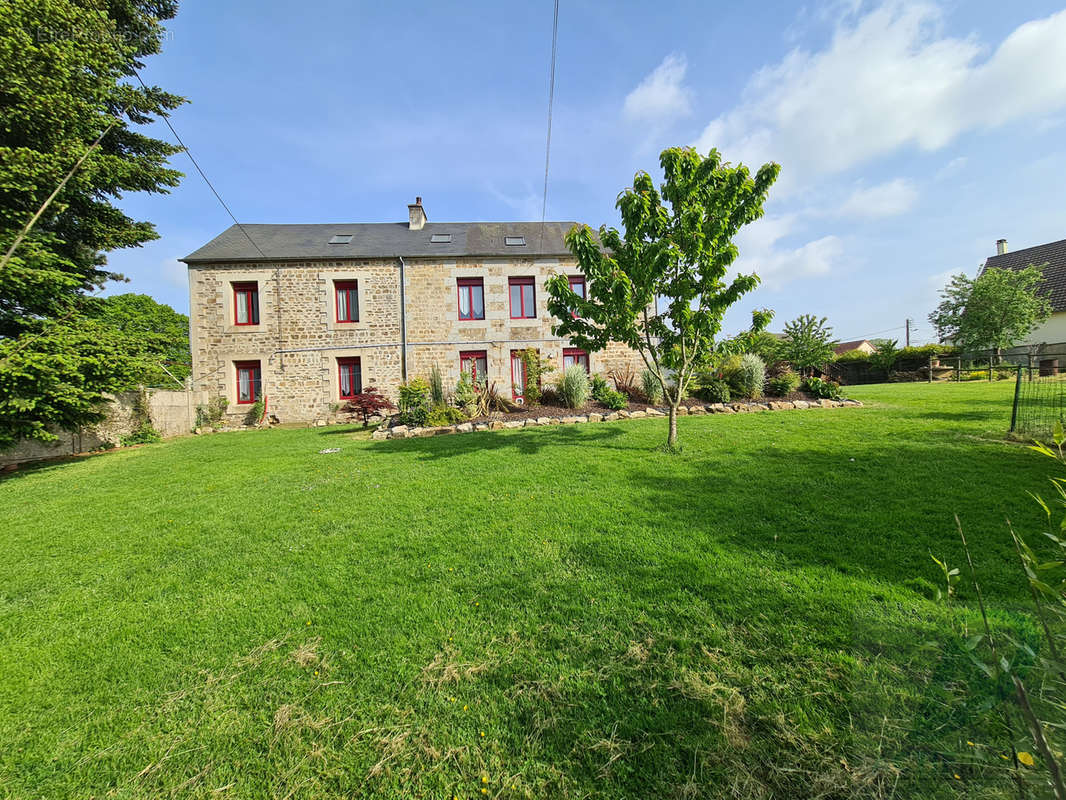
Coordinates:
column 661, row 97
column 888, row 80
column 953, row 166
column 775, row 265
column 884, row 200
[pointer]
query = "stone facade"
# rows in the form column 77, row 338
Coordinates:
column 298, row 340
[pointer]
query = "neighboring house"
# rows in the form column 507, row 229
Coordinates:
column 331, row 309
column 1051, row 260
column 862, row 345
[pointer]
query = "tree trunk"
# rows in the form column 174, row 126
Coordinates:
column 671, row 440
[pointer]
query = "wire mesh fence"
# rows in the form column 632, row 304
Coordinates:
column 1039, row 404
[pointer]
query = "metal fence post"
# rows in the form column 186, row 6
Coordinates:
column 990, row 369
column 930, row 369
column 1017, row 392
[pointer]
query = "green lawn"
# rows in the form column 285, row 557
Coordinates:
column 550, row 612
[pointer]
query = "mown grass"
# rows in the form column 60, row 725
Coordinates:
column 551, row 612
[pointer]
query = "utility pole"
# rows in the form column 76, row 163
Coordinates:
column 908, row 324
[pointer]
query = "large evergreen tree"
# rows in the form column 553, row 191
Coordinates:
column 68, row 75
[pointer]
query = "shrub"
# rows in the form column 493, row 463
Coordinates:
column 782, row 384
column 255, row 413
column 625, row 380
column 414, row 402
column 651, row 388
column 212, row 413
column 368, row 403
column 746, row 375
column 444, row 415
column 613, row 399
column 599, row 386
column 465, row 394
column 143, row 434
column 573, row 386
column 714, row 390
column 535, row 368
column 436, row 387
column 827, row 390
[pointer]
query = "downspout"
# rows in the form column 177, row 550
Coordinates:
column 403, row 320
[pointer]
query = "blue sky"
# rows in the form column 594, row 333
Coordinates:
column 911, row 135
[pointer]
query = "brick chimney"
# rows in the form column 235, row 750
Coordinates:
column 1001, row 245
column 418, row 214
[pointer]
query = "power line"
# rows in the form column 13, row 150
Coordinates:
column 551, row 103
column 203, row 174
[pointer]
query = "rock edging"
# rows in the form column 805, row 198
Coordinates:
column 405, row 432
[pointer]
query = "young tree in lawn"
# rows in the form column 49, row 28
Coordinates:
column 808, row 343
column 69, row 83
column 992, row 311
column 678, row 245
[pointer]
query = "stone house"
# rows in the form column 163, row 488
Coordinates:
column 305, row 316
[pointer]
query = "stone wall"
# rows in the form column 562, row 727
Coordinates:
column 298, row 339
column 171, row 413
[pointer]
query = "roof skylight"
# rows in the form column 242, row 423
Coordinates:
column 440, row 238
column 341, row 238
column 514, row 241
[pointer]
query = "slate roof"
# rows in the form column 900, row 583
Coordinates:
column 1053, row 255
column 382, row 240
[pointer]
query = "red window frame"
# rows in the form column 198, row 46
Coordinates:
column 575, row 281
column 473, row 356
column 467, row 286
column 577, row 356
column 250, row 290
column 526, row 287
column 352, row 288
column 354, row 367
column 255, row 381
column 518, row 388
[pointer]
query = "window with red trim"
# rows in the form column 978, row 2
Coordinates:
column 475, row 363
column 471, row 298
column 572, row 355
column 523, row 302
column 347, row 293
column 577, row 286
column 249, row 382
column 350, row 377
column 246, row 304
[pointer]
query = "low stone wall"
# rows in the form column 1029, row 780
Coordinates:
column 171, row 413
column 403, row 432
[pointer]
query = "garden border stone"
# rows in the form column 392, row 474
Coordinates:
column 404, row 432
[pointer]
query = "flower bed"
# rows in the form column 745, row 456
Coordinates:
column 550, row 415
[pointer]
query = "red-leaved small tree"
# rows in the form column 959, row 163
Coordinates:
column 367, row 404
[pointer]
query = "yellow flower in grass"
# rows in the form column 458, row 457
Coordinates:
column 1026, row 758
